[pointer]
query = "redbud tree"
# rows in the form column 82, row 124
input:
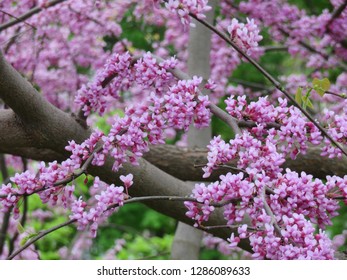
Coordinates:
column 269, row 183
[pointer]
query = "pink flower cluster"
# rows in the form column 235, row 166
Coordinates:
column 337, row 128
column 232, row 187
column 45, row 182
column 175, row 104
column 251, row 155
column 309, row 197
column 294, row 131
column 118, row 74
column 184, row 7
column 290, row 24
column 297, row 241
column 107, row 202
column 246, row 36
column 146, row 124
column 295, row 202
column 94, row 95
column 281, row 207
column 28, row 183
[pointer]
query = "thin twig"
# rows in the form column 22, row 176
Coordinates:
column 225, row 226
column 225, row 117
column 175, row 198
column 224, row 166
column 271, row 214
column 275, row 48
column 253, row 85
column 313, row 50
column 128, row 201
column 336, row 94
column 16, row 19
column 38, row 237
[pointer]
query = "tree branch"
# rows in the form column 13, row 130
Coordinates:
column 38, row 237
column 180, row 163
column 27, row 15
column 336, row 14
column 16, row 134
column 48, row 126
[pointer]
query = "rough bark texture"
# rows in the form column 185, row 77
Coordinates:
column 46, row 125
column 180, row 163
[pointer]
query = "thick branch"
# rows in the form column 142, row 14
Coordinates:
column 13, row 133
column 180, row 162
column 48, row 126
column 20, row 95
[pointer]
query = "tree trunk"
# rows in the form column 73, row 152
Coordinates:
column 187, row 241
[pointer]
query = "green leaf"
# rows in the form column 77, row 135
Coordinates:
column 20, row 228
column 298, row 95
column 306, row 102
column 309, row 103
column 321, row 86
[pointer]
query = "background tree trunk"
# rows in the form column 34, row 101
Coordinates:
column 187, row 241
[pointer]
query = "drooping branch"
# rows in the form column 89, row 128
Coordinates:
column 38, row 237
